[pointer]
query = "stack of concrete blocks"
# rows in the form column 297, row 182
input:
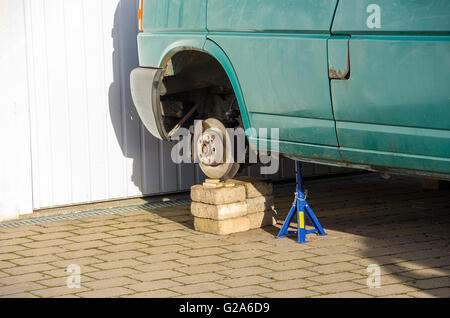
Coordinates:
column 236, row 205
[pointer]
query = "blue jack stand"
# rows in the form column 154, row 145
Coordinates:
column 301, row 207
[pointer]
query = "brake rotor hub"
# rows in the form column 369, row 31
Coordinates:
column 210, row 148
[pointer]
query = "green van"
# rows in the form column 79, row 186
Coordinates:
column 353, row 83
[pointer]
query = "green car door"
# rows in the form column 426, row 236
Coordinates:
column 392, row 109
column 279, row 52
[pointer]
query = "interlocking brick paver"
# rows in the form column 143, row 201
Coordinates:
column 199, row 278
column 289, row 274
column 158, row 266
column 161, row 257
column 168, row 227
column 57, row 291
column 47, row 243
column 247, row 246
column 12, row 248
column 200, row 260
column 290, row 284
column 17, row 279
column 286, row 265
column 244, row 291
column 153, row 285
column 160, row 293
column 164, row 249
column 85, row 245
column 55, row 250
column 93, row 230
column 50, row 236
column 110, row 273
column 35, row 259
column 436, row 282
column 126, row 239
column 22, row 229
column 81, row 253
column 85, row 223
column 62, row 271
column 171, row 234
column 199, row 269
column 78, row 261
column 257, row 261
column 334, row 278
column 349, row 294
column 336, row 267
column 280, row 257
column 205, row 251
column 19, row 295
column 19, row 288
column 90, row 237
column 109, row 282
column 164, row 242
column 245, row 254
column 426, row 273
column 61, row 281
column 19, row 270
column 8, row 256
column 62, row 228
column 202, row 295
column 9, row 242
column 338, row 249
column 129, row 225
column 247, row 271
column 14, row 235
column 156, row 275
column 124, row 247
column 6, row 264
column 292, row 293
column 132, row 231
column 336, row 287
column 386, row 279
column 436, row 292
column 116, row 256
column 198, row 244
column 197, row 288
column 245, row 281
column 106, row 293
column 335, row 258
column 117, row 264
column 387, row 290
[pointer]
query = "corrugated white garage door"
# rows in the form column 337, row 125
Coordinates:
column 87, row 142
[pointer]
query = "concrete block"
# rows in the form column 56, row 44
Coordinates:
column 222, row 227
column 261, row 219
column 254, row 187
column 234, row 225
column 221, row 195
column 236, row 206
column 220, row 211
column 261, row 203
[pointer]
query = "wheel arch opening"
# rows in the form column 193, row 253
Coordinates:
column 195, row 86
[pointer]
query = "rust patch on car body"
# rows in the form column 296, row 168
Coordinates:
column 169, row 56
column 340, row 74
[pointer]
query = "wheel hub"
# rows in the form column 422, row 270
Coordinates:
column 209, row 148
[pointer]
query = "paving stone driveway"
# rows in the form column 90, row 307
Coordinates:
column 395, row 224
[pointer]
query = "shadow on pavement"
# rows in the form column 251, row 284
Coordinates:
column 396, row 224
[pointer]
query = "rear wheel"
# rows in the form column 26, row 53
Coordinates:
column 211, row 148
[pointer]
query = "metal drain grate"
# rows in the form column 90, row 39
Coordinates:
column 79, row 215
